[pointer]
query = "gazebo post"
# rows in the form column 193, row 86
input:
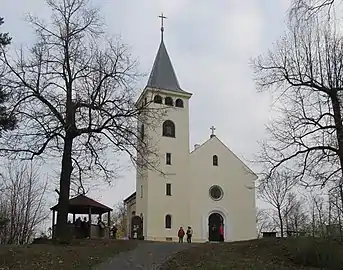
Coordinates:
column 90, row 221
column 109, row 218
column 109, row 224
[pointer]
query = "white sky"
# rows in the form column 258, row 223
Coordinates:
column 210, row 44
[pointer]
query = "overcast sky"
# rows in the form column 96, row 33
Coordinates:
column 210, row 44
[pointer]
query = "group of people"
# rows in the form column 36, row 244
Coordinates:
column 218, row 231
column 82, row 225
column 189, row 233
column 181, row 234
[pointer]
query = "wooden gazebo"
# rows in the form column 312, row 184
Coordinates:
column 84, row 205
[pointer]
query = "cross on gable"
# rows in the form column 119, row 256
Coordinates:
column 213, row 129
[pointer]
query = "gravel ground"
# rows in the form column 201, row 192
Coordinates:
column 147, row 255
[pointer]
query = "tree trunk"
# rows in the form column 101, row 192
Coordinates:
column 63, row 201
column 340, row 210
column 339, row 132
column 280, row 219
column 313, row 223
column 329, row 222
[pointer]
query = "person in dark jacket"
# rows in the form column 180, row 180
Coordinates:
column 114, row 231
column 181, row 234
column 189, row 234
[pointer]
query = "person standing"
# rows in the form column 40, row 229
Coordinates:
column 221, row 233
column 181, row 234
column 189, row 234
column 135, row 233
column 78, row 223
column 84, row 227
column 114, row 231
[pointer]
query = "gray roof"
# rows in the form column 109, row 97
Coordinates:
column 162, row 74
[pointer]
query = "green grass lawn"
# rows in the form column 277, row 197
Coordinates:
column 79, row 255
column 262, row 254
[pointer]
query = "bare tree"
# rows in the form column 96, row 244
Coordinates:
column 119, row 218
column 5, row 39
column 295, row 214
column 7, row 120
column 312, row 7
column 335, row 214
column 326, row 10
column 305, row 71
column 274, row 191
column 319, row 212
column 263, row 221
column 74, row 94
column 22, row 202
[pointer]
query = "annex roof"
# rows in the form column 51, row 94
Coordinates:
column 131, row 197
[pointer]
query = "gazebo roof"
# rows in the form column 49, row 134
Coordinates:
column 81, row 204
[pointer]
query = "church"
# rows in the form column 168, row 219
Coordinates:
column 203, row 187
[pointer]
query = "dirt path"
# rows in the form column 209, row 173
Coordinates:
column 147, row 255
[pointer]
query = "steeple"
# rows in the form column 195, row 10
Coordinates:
column 162, row 74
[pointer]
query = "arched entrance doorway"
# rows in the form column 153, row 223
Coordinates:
column 137, row 227
column 215, row 220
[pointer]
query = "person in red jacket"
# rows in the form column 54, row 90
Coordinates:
column 181, row 234
column 221, row 233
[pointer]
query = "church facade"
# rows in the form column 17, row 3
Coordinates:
column 203, row 187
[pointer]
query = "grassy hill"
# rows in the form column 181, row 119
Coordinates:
column 301, row 253
column 280, row 254
column 80, row 254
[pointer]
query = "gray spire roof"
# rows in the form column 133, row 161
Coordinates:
column 162, row 74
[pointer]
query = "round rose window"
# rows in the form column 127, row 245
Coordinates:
column 216, row 193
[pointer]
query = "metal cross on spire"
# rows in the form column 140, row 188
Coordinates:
column 162, row 26
column 213, row 129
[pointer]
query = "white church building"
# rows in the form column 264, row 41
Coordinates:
column 201, row 187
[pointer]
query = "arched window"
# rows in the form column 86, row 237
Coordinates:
column 179, row 103
column 168, row 221
column 168, row 101
column 215, row 160
column 168, row 129
column 158, row 99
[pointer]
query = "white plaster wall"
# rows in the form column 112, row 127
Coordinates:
column 155, row 205
column 238, row 203
column 141, row 201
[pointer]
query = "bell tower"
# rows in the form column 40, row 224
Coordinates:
column 162, row 196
